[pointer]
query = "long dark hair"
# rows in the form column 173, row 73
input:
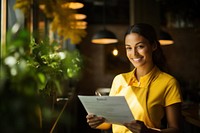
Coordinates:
column 148, row 32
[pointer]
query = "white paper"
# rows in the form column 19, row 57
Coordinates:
column 113, row 108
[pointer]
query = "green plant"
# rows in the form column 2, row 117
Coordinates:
column 55, row 64
column 30, row 72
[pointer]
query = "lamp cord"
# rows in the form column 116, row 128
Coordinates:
column 104, row 14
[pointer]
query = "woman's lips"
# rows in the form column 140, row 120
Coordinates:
column 137, row 59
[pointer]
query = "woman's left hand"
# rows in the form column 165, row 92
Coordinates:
column 137, row 126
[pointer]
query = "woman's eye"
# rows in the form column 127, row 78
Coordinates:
column 140, row 46
column 128, row 48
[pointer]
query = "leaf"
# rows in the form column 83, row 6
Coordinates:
column 42, row 78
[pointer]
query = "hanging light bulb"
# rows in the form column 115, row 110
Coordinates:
column 165, row 38
column 104, row 37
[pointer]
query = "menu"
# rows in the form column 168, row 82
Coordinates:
column 113, row 108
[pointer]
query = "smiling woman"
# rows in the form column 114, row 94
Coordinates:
column 150, row 92
column 138, row 50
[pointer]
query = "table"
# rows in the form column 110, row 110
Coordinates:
column 191, row 115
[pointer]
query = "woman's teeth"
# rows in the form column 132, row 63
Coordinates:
column 137, row 59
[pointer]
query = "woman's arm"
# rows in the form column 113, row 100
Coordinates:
column 173, row 114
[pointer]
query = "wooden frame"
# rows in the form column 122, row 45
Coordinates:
column 3, row 26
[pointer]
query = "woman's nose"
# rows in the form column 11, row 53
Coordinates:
column 135, row 52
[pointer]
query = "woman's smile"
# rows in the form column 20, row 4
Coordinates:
column 138, row 50
column 138, row 59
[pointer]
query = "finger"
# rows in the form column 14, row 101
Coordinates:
column 133, row 126
column 95, row 121
column 132, row 123
column 95, row 124
column 90, row 116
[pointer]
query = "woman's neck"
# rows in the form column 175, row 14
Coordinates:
column 141, row 71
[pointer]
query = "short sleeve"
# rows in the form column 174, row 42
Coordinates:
column 173, row 94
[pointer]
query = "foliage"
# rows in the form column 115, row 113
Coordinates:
column 30, row 71
column 18, row 87
column 24, row 5
column 55, row 64
column 62, row 21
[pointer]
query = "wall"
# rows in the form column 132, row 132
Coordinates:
column 95, row 74
column 184, row 60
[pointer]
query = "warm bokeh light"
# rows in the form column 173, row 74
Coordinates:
column 42, row 6
column 166, row 42
column 115, row 52
column 79, row 25
column 79, row 16
column 104, row 41
column 73, row 5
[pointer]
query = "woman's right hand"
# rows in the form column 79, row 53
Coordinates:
column 94, row 121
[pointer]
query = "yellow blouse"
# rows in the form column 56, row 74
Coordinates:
column 146, row 98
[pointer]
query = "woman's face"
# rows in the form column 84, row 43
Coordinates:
column 138, row 50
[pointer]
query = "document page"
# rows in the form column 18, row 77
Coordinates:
column 113, row 108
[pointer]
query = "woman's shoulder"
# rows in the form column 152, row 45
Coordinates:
column 164, row 76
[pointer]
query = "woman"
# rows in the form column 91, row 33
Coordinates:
column 150, row 92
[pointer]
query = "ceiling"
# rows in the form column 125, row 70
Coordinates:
column 184, row 8
column 116, row 11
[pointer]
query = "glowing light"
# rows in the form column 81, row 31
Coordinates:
column 62, row 55
column 115, row 52
column 10, row 61
column 79, row 25
column 73, row 5
column 79, row 16
column 42, row 6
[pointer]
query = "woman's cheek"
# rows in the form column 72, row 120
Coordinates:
column 128, row 54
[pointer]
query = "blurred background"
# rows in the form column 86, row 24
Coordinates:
column 92, row 65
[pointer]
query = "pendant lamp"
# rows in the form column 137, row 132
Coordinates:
column 104, row 36
column 165, row 38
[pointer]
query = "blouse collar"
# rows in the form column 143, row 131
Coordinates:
column 144, row 80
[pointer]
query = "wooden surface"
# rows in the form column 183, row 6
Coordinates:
column 191, row 114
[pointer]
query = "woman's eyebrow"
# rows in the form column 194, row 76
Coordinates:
column 135, row 44
column 139, row 43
